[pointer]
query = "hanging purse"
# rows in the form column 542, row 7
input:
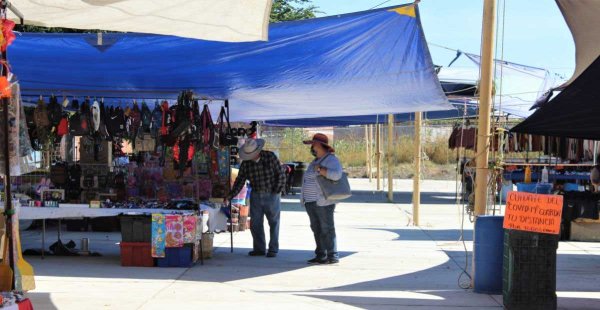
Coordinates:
column 226, row 138
column 334, row 190
column 208, row 130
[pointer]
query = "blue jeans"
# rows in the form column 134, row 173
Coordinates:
column 323, row 227
column 261, row 205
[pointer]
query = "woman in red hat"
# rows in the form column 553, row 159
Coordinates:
column 320, row 210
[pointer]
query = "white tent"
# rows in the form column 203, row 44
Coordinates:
column 517, row 86
column 215, row 20
column 583, row 19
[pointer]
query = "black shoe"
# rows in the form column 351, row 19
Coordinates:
column 333, row 260
column 317, row 260
column 256, row 253
column 271, row 254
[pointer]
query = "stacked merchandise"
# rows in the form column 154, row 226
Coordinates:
column 179, row 151
column 14, row 301
column 580, row 216
column 171, row 239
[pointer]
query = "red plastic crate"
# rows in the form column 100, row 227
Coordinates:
column 136, row 254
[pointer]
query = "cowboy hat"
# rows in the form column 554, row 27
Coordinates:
column 251, row 148
column 322, row 139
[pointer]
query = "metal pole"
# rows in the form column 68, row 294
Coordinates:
column 8, row 207
column 595, row 152
column 417, row 174
column 378, row 159
column 390, row 163
column 485, row 106
column 229, row 185
column 368, row 152
column 43, row 238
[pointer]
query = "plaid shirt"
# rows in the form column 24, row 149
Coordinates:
column 265, row 176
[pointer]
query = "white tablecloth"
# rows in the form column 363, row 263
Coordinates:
column 79, row 211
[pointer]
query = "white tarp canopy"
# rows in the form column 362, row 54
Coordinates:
column 517, row 86
column 214, row 20
column 583, row 19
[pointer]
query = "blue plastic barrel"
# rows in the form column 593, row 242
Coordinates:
column 488, row 251
column 535, row 188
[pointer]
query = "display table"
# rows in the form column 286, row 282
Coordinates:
column 72, row 211
column 519, row 176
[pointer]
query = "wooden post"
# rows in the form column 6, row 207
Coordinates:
column 417, row 175
column 485, row 106
column 390, row 162
column 371, row 149
column 368, row 151
column 378, row 154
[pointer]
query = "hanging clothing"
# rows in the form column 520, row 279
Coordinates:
column 463, row 137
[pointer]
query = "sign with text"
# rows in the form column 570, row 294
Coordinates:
column 533, row 212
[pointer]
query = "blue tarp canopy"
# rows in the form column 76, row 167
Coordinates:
column 373, row 62
column 462, row 109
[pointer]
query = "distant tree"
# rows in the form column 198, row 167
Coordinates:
column 286, row 10
column 31, row 28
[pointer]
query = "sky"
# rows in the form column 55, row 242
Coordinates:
column 535, row 33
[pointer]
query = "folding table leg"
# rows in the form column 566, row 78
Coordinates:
column 43, row 237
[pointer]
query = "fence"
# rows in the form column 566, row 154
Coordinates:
column 351, row 147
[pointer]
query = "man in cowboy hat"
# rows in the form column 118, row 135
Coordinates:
column 267, row 180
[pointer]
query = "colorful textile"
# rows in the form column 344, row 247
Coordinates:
column 174, row 238
column 159, row 230
column 223, row 159
column 204, row 189
column 189, row 228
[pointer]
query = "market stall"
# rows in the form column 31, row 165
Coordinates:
column 222, row 21
column 182, row 167
column 108, row 136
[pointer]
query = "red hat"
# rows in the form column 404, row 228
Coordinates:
column 322, row 139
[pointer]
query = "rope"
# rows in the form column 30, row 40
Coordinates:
column 382, row 3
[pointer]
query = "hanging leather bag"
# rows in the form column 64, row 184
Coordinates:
column 207, row 129
column 226, row 138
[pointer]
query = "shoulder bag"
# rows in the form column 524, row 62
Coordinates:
column 334, row 190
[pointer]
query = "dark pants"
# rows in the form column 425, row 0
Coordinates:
column 261, row 205
column 323, row 227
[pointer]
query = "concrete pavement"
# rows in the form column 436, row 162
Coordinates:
column 386, row 264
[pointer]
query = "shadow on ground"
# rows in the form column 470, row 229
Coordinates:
column 223, row 267
column 437, row 287
column 41, row 299
column 426, row 289
column 292, row 202
column 412, row 234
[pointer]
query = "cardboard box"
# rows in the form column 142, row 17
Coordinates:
column 589, row 232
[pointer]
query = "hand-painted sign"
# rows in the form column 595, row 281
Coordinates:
column 533, row 212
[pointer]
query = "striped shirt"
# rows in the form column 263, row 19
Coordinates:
column 310, row 187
